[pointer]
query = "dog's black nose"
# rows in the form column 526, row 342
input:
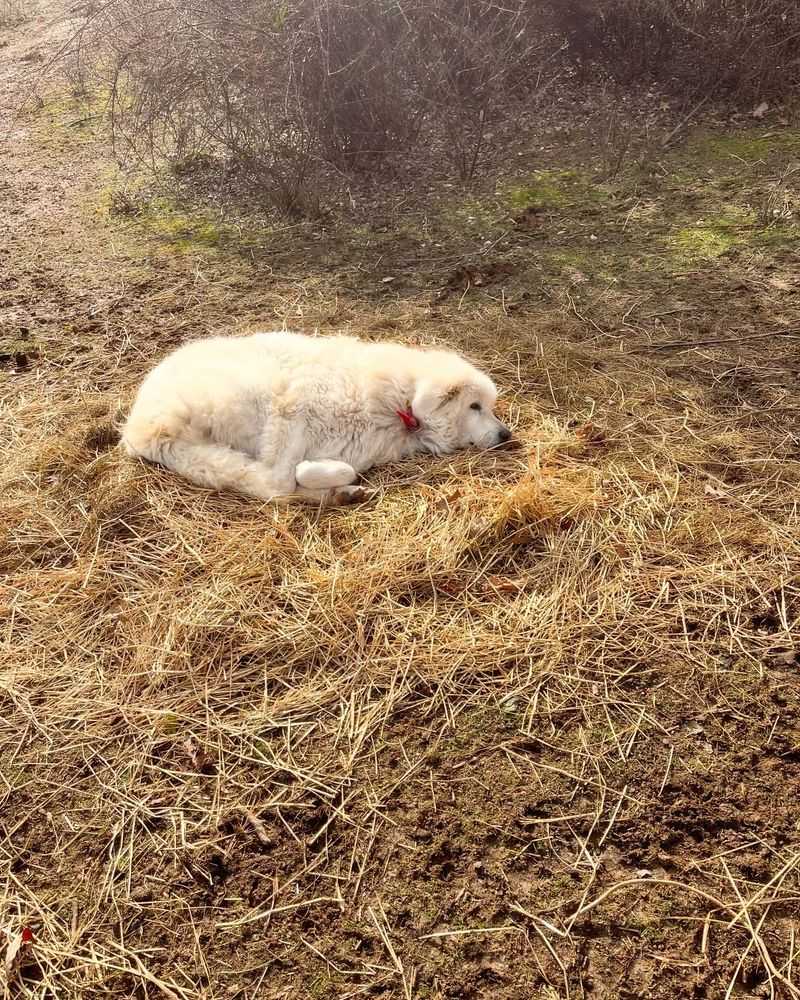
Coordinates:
column 504, row 434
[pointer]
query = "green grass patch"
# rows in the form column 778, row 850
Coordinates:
column 552, row 189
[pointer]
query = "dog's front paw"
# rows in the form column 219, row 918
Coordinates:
column 325, row 474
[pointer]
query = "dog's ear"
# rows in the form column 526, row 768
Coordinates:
column 451, row 394
column 430, row 396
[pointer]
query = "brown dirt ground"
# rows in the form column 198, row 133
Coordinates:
column 576, row 771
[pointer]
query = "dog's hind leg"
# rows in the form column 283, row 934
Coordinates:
column 325, row 474
column 219, row 468
column 215, row 467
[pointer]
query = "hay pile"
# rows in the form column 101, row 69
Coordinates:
column 220, row 721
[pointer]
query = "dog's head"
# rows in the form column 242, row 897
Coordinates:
column 454, row 404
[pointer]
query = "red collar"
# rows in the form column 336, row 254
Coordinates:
column 408, row 418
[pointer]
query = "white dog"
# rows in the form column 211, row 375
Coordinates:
column 282, row 414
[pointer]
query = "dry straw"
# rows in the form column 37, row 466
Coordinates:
column 184, row 672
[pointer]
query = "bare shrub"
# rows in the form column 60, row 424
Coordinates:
column 470, row 58
column 352, row 79
column 747, row 49
column 207, row 84
column 280, row 92
column 283, row 96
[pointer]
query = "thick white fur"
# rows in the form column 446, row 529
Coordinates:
column 279, row 414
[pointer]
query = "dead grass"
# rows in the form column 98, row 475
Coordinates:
column 183, row 672
column 12, row 13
